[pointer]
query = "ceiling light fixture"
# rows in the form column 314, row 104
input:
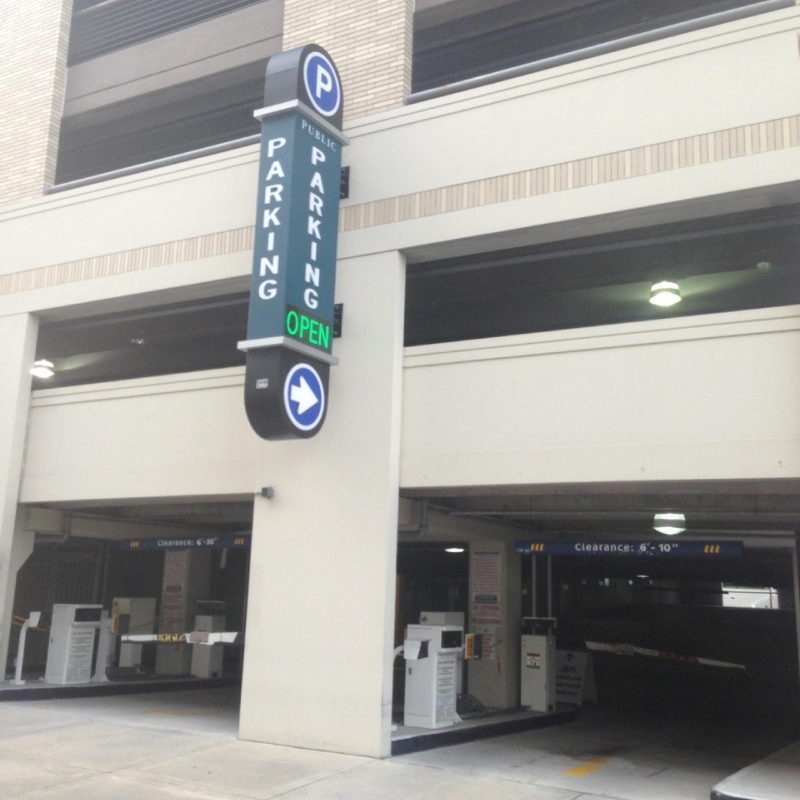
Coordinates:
column 665, row 294
column 670, row 524
column 42, row 369
column 454, row 549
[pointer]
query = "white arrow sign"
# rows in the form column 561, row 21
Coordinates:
column 303, row 395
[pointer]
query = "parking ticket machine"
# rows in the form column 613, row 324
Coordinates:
column 538, row 667
column 431, row 656
column 71, row 648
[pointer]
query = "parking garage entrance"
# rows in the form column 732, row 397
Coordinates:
column 690, row 640
column 133, row 600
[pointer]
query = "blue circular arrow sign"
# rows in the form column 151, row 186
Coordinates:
column 304, row 397
column 322, row 84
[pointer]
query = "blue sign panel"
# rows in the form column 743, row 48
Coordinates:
column 188, row 543
column 304, row 397
column 660, row 549
column 297, row 221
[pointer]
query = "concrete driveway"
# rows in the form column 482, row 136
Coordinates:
column 183, row 745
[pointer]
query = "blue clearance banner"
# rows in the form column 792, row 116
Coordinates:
column 659, row 549
column 187, row 543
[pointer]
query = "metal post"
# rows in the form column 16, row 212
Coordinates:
column 533, row 586
column 549, row 586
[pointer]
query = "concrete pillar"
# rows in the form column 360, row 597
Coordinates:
column 34, row 36
column 186, row 579
column 796, row 588
column 320, row 612
column 18, row 335
column 21, row 548
column 371, row 43
column 495, row 597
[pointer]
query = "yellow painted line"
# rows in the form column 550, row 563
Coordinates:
column 588, row 768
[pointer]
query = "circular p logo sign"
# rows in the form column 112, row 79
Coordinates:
column 322, row 84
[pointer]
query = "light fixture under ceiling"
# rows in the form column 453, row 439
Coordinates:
column 42, row 369
column 454, row 549
column 669, row 523
column 665, row 294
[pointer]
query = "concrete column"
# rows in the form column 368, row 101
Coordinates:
column 186, row 579
column 371, row 43
column 796, row 588
column 34, row 36
column 320, row 613
column 495, row 597
column 18, row 335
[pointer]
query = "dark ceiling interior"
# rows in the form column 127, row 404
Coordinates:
column 191, row 116
column 742, row 261
column 170, row 339
column 523, row 32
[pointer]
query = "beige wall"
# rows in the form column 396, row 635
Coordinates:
column 463, row 172
column 33, row 52
column 370, row 42
column 697, row 398
column 144, row 438
column 694, row 398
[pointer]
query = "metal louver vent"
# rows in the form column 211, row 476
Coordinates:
column 109, row 25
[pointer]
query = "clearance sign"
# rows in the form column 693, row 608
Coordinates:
column 290, row 322
column 657, row 549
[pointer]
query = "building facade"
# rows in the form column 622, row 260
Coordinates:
column 520, row 174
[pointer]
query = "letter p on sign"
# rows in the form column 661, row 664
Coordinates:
column 324, row 81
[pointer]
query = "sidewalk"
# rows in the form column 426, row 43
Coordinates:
column 169, row 747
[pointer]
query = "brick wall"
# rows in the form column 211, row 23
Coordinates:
column 370, row 40
column 33, row 53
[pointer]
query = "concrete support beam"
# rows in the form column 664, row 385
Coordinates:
column 18, row 335
column 370, row 42
column 33, row 51
column 320, row 613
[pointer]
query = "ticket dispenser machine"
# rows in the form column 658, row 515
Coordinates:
column 431, row 653
column 538, row 668
column 71, row 648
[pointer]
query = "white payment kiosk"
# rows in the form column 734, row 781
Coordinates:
column 538, row 668
column 431, row 654
column 72, row 635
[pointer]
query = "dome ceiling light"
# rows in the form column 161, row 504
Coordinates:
column 42, row 369
column 670, row 524
column 665, row 294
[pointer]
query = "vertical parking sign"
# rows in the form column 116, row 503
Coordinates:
column 290, row 322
